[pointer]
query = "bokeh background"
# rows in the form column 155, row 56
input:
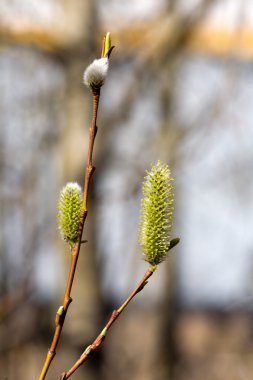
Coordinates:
column 180, row 89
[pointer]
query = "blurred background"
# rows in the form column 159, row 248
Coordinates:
column 180, row 89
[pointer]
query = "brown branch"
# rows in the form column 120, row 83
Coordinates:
column 62, row 311
column 115, row 314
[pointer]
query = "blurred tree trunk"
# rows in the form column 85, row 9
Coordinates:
column 27, row 320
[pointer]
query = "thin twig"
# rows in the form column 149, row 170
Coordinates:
column 100, row 338
column 62, row 311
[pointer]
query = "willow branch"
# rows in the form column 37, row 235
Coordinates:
column 115, row 314
column 62, row 311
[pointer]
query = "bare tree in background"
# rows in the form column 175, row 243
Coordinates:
column 53, row 126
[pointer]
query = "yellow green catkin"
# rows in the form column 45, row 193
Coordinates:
column 156, row 213
column 69, row 208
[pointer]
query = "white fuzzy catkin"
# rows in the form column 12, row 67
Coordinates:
column 95, row 74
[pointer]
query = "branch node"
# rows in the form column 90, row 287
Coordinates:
column 87, row 351
column 69, row 301
column 60, row 314
column 92, row 170
column 103, row 333
column 95, row 130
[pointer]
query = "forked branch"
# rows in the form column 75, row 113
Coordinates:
column 115, row 314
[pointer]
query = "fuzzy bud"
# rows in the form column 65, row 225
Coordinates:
column 69, row 207
column 95, row 74
column 156, row 213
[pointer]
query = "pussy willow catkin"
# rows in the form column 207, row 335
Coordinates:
column 69, row 208
column 156, row 213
